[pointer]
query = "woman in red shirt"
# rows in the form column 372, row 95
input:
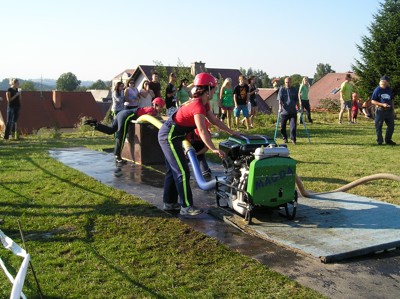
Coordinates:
column 192, row 114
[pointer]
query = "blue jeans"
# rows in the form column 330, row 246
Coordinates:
column 384, row 116
column 12, row 118
column 292, row 118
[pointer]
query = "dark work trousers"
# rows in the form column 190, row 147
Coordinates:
column 293, row 124
column 120, row 127
column 384, row 116
column 177, row 177
column 12, row 118
column 306, row 106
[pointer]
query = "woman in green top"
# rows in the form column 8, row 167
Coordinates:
column 183, row 94
column 226, row 101
column 303, row 96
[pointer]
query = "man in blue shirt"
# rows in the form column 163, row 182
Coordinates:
column 288, row 99
column 382, row 98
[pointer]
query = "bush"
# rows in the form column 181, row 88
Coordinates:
column 329, row 104
column 48, row 133
column 80, row 127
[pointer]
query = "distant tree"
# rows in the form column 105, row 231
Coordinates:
column 296, row 80
column 28, row 86
column 262, row 79
column 99, row 84
column 380, row 52
column 322, row 70
column 67, row 82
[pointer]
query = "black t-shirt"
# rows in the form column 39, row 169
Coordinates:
column 170, row 101
column 15, row 102
column 241, row 94
column 253, row 95
column 156, row 88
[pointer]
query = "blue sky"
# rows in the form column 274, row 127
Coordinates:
column 97, row 39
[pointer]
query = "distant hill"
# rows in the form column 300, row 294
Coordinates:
column 41, row 84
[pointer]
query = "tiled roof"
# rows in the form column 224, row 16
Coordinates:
column 38, row 111
column 128, row 71
column 326, row 88
column 265, row 93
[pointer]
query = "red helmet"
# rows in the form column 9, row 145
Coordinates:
column 205, row 79
column 159, row 102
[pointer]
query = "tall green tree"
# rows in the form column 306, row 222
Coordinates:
column 322, row 70
column 380, row 51
column 67, row 82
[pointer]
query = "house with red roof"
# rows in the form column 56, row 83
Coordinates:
column 48, row 109
column 327, row 87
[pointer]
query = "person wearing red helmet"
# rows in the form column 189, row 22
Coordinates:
column 120, row 124
column 191, row 115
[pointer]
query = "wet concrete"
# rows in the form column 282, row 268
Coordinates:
column 373, row 276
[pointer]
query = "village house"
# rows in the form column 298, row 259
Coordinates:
column 327, row 87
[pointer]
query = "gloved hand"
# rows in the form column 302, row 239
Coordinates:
column 90, row 122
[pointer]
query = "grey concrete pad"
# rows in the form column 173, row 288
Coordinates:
column 329, row 226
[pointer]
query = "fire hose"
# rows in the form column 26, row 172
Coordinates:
column 204, row 185
column 378, row 176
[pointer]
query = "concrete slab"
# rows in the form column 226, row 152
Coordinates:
column 329, row 226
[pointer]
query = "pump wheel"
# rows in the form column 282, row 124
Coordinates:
column 291, row 207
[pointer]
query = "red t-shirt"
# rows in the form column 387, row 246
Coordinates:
column 146, row 110
column 185, row 115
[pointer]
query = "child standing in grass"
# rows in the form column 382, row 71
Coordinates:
column 354, row 107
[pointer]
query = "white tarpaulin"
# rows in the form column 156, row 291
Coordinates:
column 18, row 281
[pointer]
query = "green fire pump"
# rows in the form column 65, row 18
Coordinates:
column 259, row 173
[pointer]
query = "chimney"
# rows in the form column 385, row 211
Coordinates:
column 197, row 67
column 57, row 99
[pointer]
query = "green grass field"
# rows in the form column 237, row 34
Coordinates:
column 88, row 240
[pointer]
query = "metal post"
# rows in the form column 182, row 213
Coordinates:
column 305, row 127
column 277, row 124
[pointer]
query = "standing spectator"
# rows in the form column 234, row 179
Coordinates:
column 354, row 107
column 226, row 101
column 131, row 96
column 14, row 97
column 155, row 85
column 146, row 95
column 2, row 125
column 345, row 98
column 117, row 99
column 170, row 95
column 253, row 90
column 305, row 102
column 382, row 98
column 241, row 98
column 193, row 114
column 288, row 99
column 183, row 94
